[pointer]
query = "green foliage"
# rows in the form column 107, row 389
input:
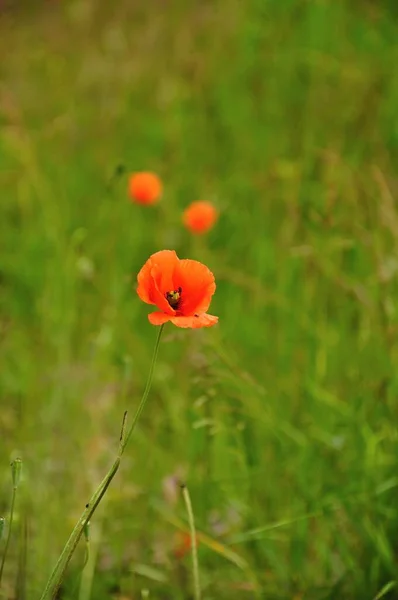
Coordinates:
column 282, row 420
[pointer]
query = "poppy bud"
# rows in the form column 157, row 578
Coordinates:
column 16, row 470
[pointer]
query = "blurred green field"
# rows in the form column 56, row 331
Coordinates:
column 282, row 420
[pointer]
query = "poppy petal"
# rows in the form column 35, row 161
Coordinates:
column 198, row 286
column 194, row 322
column 158, row 318
column 155, row 276
column 145, row 283
column 164, row 264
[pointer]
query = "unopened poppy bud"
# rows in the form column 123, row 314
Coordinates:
column 2, row 523
column 16, row 470
column 119, row 170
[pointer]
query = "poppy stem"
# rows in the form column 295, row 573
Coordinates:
column 194, row 550
column 125, row 437
column 57, row 575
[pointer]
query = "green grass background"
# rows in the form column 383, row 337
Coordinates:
column 283, row 419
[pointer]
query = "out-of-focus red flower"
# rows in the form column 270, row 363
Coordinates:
column 200, row 216
column 180, row 289
column 145, row 188
column 183, row 544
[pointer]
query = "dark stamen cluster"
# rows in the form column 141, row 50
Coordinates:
column 174, row 298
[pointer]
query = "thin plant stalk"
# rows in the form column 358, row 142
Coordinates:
column 58, row 572
column 88, row 570
column 194, row 549
column 3, row 560
column 16, row 466
column 20, row 582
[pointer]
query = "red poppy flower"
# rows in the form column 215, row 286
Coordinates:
column 180, row 289
column 200, row 216
column 145, row 188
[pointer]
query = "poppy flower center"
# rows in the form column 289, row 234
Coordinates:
column 174, row 298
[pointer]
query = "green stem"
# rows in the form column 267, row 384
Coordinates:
column 3, row 560
column 125, row 438
column 195, row 564
column 58, row 573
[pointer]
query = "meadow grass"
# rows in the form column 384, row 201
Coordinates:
column 282, row 419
